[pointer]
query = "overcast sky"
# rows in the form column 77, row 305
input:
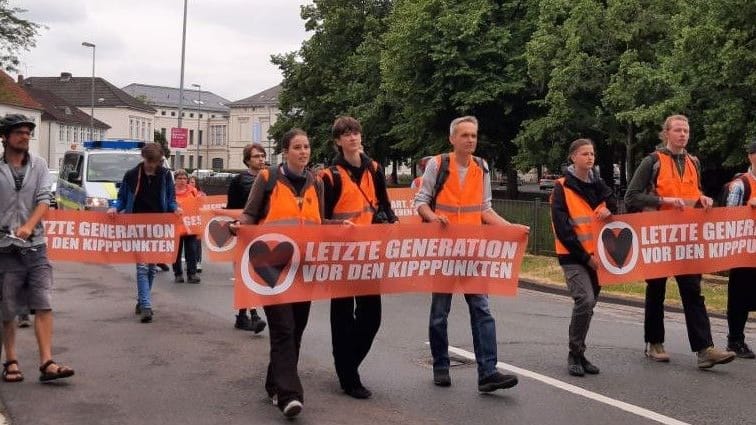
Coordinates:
column 228, row 42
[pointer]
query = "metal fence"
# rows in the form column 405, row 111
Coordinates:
column 537, row 215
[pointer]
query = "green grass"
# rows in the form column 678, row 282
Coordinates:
column 547, row 270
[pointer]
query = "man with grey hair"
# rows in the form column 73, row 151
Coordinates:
column 456, row 188
column 25, row 272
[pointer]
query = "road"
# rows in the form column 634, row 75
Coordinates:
column 191, row 367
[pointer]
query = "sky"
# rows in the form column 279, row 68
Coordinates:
column 228, row 42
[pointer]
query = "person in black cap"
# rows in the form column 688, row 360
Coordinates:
column 741, row 293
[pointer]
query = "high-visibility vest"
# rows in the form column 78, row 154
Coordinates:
column 355, row 205
column 669, row 182
column 581, row 216
column 284, row 207
column 461, row 202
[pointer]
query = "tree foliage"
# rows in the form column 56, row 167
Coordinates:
column 16, row 35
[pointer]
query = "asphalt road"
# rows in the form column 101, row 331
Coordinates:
column 191, row 367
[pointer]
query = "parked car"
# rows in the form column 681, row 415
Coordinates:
column 547, row 181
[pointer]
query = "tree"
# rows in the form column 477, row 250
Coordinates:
column 160, row 139
column 16, row 35
column 443, row 59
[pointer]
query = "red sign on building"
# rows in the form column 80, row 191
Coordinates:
column 179, row 137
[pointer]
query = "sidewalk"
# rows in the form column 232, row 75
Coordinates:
column 160, row 367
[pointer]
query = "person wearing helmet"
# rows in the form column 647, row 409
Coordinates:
column 418, row 181
column 27, row 283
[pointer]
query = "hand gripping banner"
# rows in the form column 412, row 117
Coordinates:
column 282, row 264
column 655, row 244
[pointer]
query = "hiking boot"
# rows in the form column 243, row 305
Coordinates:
column 497, row 381
column 358, row 392
column 710, row 356
column 256, row 324
column 574, row 365
column 441, row 377
column 740, row 348
column 193, row 278
column 179, row 278
column 137, row 309
column 146, row 315
column 588, row 367
column 23, row 321
column 292, row 408
column 655, row 352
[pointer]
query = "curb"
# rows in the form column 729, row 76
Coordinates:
column 607, row 298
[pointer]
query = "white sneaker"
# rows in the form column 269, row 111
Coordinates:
column 274, row 399
column 292, row 408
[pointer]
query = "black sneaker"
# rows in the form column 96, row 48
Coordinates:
column 242, row 322
column 163, row 267
column 193, row 278
column 575, row 365
column 146, row 315
column 441, row 377
column 741, row 350
column 497, row 381
column 589, row 367
column 256, row 324
column 358, row 392
column 137, row 309
column 179, row 278
column 23, row 321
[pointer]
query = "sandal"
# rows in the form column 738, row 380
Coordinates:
column 12, row 375
column 60, row 372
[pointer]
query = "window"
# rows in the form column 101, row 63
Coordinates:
column 81, row 134
column 131, row 128
column 199, row 161
column 162, row 132
column 61, row 132
column 191, row 139
column 173, row 113
column 191, row 162
column 68, row 134
column 217, row 163
column 212, row 116
column 217, row 135
column 183, row 114
column 162, row 112
column 199, row 137
column 191, row 114
column 76, row 135
column 200, row 115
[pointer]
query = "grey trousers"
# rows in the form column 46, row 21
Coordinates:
column 582, row 283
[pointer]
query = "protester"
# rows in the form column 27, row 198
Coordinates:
column 465, row 198
column 741, row 292
column 193, row 182
column 253, row 157
column 418, row 181
column 354, row 190
column 146, row 188
column 669, row 179
column 185, row 193
column 579, row 198
column 296, row 196
column 27, row 274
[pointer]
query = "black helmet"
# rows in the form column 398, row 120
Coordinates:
column 11, row 121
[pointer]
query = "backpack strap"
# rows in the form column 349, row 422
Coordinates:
column 337, row 183
column 441, row 177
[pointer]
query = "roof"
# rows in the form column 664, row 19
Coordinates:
column 267, row 97
column 12, row 94
column 57, row 109
column 168, row 97
column 78, row 91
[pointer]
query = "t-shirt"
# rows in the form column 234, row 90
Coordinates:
column 148, row 194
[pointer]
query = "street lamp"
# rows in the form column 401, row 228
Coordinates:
column 91, row 112
column 199, row 103
column 181, row 82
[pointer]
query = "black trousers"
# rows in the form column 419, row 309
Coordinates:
column 354, row 323
column 286, row 323
column 696, row 317
column 741, row 298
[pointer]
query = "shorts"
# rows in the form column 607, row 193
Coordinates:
column 25, row 282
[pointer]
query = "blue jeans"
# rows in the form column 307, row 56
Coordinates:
column 483, row 332
column 145, row 274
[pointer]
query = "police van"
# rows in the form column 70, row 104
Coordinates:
column 89, row 179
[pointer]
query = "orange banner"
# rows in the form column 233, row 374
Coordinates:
column 96, row 237
column 401, row 203
column 655, row 244
column 213, row 202
column 219, row 241
column 191, row 216
column 285, row 264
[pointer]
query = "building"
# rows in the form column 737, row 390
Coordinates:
column 127, row 117
column 63, row 126
column 14, row 100
column 250, row 121
column 205, row 115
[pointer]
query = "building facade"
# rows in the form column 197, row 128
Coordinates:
column 250, row 121
column 205, row 115
column 14, row 100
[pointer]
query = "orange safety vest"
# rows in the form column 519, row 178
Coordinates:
column 461, row 202
column 356, row 203
column 581, row 216
column 669, row 183
column 284, row 207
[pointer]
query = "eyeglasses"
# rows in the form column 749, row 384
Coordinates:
column 258, row 155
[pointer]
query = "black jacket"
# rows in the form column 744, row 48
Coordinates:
column 238, row 190
column 594, row 192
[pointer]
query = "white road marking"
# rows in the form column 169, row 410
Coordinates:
column 630, row 408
